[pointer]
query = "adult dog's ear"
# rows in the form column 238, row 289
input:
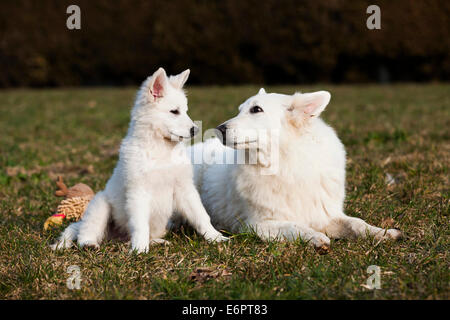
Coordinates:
column 179, row 80
column 158, row 84
column 308, row 105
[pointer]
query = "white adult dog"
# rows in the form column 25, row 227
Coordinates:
column 149, row 183
column 301, row 195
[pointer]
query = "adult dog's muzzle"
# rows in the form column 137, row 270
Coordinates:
column 221, row 132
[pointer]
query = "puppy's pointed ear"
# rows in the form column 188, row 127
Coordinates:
column 262, row 91
column 179, row 80
column 158, row 84
column 311, row 104
column 308, row 105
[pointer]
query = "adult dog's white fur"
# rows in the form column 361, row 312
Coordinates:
column 148, row 184
column 304, row 196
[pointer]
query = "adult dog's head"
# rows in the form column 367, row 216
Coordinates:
column 161, row 106
column 268, row 116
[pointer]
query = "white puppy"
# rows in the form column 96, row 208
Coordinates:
column 149, row 183
column 296, row 184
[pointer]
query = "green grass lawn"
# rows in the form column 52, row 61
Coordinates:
column 402, row 130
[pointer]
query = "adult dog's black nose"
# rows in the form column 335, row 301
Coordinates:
column 222, row 133
column 194, row 131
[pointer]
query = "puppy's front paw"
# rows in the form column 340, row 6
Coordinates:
column 221, row 238
column 215, row 237
column 88, row 244
column 139, row 247
column 139, row 250
column 61, row 244
column 159, row 242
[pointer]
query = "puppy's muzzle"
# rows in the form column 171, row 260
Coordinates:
column 221, row 132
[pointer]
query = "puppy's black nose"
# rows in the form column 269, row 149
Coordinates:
column 221, row 132
column 194, row 131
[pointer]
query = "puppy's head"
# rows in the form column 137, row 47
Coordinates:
column 267, row 115
column 161, row 104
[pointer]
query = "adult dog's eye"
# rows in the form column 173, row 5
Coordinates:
column 175, row 111
column 256, row 109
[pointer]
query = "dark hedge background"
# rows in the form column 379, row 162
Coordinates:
column 223, row 42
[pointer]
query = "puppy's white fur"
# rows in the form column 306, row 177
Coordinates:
column 148, row 184
column 304, row 197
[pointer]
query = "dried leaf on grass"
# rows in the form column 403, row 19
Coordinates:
column 387, row 223
column 203, row 274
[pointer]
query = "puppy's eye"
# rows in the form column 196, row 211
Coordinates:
column 175, row 111
column 256, row 109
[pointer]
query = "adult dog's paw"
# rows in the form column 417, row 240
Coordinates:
column 394, row 234
column 390, row 234
column 321, row 243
